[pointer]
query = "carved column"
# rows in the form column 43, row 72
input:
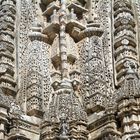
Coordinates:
column 35, row 72
column 63, row 45
column 27, row 15
column 97, row 86
column 124, row 38
column 126, row 65
column 136, row 5
column 7, row 46
column 94, row 66
column 62, row 30
column 128, row 103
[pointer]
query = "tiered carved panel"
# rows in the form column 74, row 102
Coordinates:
column 136, row 4
column 7, row 36
column 124, row 38
column 97, row 85
column 127, row 99
column 96, row 58
column 126, row 65
column 38, row 73
column 34, row 62
column 104, row 11
column 24, row 26
column 34, row 78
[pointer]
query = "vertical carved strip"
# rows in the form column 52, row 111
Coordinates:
column 27, row 15
column 7, row 43
column 104, row 11
column 34, row 80
column 35, row 74
column 46, row 65
column 126, row 65
column 124, row 38
column 63, row 45
column 136, row 4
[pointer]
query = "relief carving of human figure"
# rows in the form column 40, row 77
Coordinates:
column 64, row 127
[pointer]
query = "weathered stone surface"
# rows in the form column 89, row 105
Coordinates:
column 69, row 69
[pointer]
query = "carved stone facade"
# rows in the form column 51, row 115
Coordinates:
column 69, row 70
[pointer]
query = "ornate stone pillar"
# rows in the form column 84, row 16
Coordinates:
column 65, row 118
column 126, row 66
column 125, row 47
column 128, row 103
column 7, row 46
column 35, row 71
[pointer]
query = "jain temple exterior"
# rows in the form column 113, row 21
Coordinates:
column 69, row 69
